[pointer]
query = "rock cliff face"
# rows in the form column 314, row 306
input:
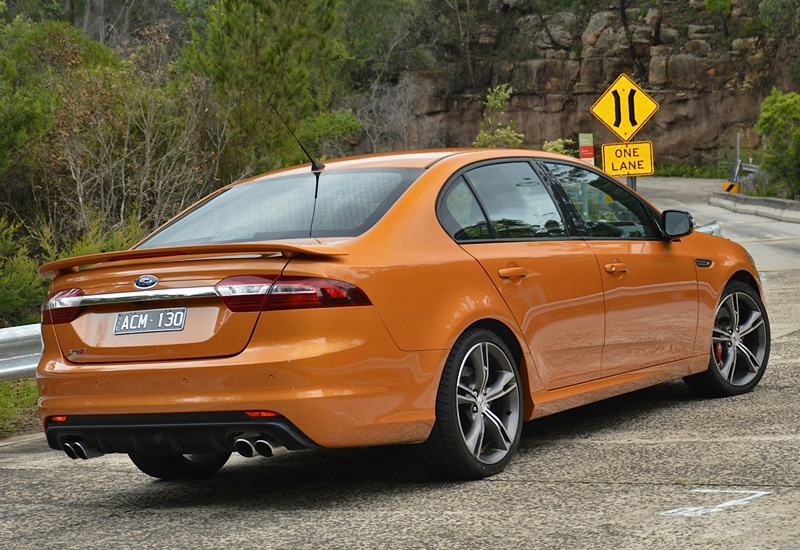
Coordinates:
column 709, row 87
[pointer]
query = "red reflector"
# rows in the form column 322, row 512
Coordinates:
column 261, row 414
column 310, row 292
column 244, row 293
column 58, row 419
column 62, row 307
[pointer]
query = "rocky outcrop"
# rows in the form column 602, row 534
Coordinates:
column 708, row 88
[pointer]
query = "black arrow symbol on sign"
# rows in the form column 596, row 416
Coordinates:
column 631, row 107
column 618, row 108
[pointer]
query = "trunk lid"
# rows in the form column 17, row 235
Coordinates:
column 180, row 314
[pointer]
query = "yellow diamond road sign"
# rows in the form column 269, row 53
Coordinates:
column 624, row 107
column 628, row 159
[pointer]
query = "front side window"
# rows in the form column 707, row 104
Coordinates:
column 349, row 203
column 516, row 200
column 606, row 209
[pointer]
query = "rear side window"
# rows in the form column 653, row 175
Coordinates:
column 461, row 215
column 349, row 203
column 516, row 201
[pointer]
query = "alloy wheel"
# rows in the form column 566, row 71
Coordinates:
column 488, row 402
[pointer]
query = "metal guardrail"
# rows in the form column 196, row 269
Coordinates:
column 20, row 350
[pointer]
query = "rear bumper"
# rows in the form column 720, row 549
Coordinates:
column 344, row 384
column 172, row 433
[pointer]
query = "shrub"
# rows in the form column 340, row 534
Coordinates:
column 779, row 123
column 494, row 132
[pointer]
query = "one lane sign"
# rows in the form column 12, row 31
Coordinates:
column 628, row 159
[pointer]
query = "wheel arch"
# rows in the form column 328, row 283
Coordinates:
column 747, row 278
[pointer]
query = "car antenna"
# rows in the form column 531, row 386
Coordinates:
column 316, row 166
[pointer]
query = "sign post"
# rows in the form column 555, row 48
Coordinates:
column 624, row 108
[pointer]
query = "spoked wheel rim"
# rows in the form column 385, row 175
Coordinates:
column 739, row 340
column 488, row 403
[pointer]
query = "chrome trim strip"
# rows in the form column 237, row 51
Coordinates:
column 132, row 297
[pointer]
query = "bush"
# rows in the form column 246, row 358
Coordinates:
column 22, row 290
column 494, row 132
column 779, row 123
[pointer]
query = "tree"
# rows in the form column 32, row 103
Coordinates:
column 383, row 38
column 21, row 289
column 494, row 132
column 390, row 115
column 779, row 123
column 263, row 56
column 721, row 9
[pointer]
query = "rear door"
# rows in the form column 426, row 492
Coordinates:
column 503, row 214
column 650, row 286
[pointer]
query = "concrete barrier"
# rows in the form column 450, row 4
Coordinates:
column 776, row 209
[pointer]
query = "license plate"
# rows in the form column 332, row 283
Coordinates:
column 150, row 320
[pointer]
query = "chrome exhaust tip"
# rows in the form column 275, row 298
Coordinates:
column 269, row 449
column 69, row 450
column 244, row 447
column 83, row 451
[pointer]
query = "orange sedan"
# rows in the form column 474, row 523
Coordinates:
column 436, row 297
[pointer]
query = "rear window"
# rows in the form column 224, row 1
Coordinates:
column 349, row 203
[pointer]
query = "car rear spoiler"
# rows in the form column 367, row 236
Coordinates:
column 182, row 253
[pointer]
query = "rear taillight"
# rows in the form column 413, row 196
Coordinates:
column 310, row 292
column 246, row 293
column 62, row 307
column 253, row 293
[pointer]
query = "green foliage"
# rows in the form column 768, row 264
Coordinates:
column 561, row 146
column 721, row 9
column 780, row 16
column 22, row 290
column 666, row 169
column 330, row 134
column 384, row 37
column 263, row 53
column 97, row 239
column 18, row 407
column 493, row 132
column 779, row 123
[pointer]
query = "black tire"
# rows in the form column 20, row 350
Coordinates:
column 190, row 466
column 478, row 410
column 739, row 347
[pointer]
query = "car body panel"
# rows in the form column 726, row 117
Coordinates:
column 558, row 304
column 651, row 307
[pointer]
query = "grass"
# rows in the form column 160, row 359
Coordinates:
column 18, row 407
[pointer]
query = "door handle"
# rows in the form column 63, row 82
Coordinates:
column 616, row 267
column 508, row 272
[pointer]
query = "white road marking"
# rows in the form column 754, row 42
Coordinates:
column 702, row 510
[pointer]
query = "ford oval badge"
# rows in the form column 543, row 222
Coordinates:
column 145, row 281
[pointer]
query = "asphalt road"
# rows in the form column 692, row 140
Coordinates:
column 659, row 468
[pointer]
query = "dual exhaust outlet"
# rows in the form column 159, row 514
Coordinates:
column 247, row 447
column 250, row 447
column 80, row 449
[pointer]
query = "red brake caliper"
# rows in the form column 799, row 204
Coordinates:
column 717, row 348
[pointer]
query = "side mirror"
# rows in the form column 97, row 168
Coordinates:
column 676, row 223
